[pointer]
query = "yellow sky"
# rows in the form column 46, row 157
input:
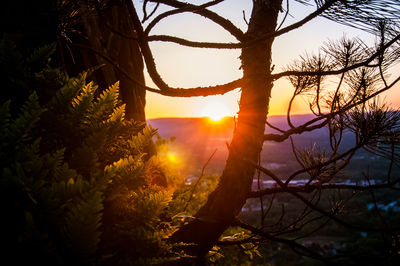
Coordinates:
column 191, row 67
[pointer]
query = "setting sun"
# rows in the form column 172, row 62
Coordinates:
column 215, row 111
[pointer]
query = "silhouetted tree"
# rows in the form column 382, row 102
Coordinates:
column 89, row 35
column 111, row 33
column 349, row 106
column 100, row 34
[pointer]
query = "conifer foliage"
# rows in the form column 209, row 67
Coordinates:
column 75, row 187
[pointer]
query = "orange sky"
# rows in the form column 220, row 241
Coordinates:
column 190, row 67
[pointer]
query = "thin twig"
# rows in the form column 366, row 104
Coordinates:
column 198, row 180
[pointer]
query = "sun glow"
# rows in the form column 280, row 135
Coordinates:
column 215, row 111
column 172, row 157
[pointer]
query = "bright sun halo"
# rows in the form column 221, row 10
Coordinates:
column 215, row 111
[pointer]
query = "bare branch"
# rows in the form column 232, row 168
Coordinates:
column 244, row 18
column 339, row 221
column 296, row 25
column 239, row 242
column 223, row 22
column 292, row 244
column 295, row 130
column 334, row 159
column 172, row 92
column 318, row 209
column 198, row 180
column 181, row 41
column 316, row 186
column 286, row 14
column 145, row 16
column 192, row 8
column 164, row 89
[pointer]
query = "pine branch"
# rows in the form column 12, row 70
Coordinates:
column 306, row 127
column 365, row 63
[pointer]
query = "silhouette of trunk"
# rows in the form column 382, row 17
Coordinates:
column 225, row 203
column 107, row 32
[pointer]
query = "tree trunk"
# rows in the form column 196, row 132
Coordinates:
column 109, row 31
column 225, row 203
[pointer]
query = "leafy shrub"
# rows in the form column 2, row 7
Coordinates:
column 75, row 186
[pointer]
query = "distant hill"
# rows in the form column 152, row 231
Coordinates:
column 197, row 138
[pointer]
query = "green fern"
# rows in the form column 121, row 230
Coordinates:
column 21, row 127
column 142, row 139
column 104, row 105
column 82, row 104
column 4, row 127
column 118, row 115
column 82, row 222
column 76, row 168
column 42, row 55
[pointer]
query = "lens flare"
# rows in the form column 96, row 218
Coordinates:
column 215, row 111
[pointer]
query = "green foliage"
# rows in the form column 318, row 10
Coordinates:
column 23, row 75
column 75, row 183
column 188, row 200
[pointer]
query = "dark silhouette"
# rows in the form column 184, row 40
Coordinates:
column 350, row 106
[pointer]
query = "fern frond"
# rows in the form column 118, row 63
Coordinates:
column 109, row 97
column 63, row 173
column 97, row 140
column 21, row 127
column 5, row 114
column 4, row 120
column 142, row 139
column 67, row 190
column 105, row 104
column 118, row 114
column 128, row 171
column 151, row 205
column 82, row 223
column 64, row 96
column 84, row 100
column 42, row 54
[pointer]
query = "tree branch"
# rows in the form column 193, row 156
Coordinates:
column 223, row 22
column 172, row 92
column 338, row 71
column 300, row 23
column 316, row 186
column 181, row 41
column 326, row 163
column 193, row 9
column 296, row 130
column 318, row 209
column 306, row 126
column 292, row 244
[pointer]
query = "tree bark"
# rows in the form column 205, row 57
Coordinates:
column 226, row 201
column 109, row 30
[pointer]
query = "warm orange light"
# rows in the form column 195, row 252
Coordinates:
column 215, row 111
column 172, row 157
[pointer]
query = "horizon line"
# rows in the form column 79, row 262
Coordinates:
column 186, row 117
